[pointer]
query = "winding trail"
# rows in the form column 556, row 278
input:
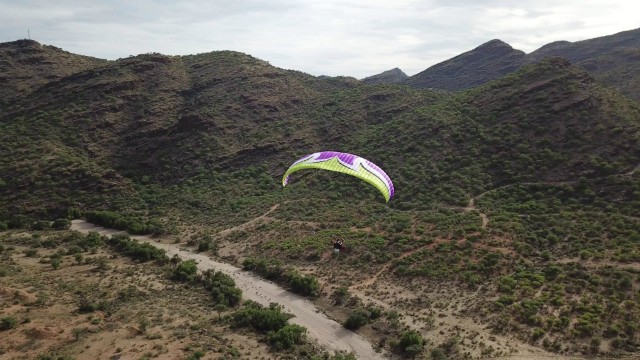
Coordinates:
column 485, row 219
column 324, row 330
column 472, row 207
column 371, row 280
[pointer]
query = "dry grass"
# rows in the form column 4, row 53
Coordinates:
column 160, row 320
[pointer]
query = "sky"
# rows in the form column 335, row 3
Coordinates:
column 357, row 38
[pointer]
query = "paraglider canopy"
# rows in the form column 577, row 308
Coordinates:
column 345, row 163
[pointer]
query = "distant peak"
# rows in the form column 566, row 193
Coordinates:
column 495, row 43
column 392, row 76
column 395, row 71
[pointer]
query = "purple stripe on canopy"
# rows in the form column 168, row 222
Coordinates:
column 349, row 159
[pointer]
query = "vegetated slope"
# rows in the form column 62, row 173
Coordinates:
column 490, row 60
column 547, row 122
column 546, row 154
column 25, row 65
column 163, row 118
column 201, row 141
column 158, row 118
column 619, row 69
column 609, row 59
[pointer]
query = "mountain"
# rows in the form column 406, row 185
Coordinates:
column 26, row 65
column 610, row 59
column 472, row 68
column 518, row 196
column 618, row 68
column 587, row 49
column 392, row 76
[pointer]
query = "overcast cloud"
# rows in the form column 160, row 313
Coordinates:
column 325, row 37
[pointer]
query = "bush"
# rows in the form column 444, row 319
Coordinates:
column 537, row 333
column 340, row 295
column 206, row 244
column 287, row 337
column 91, row 241
column 85, row 305
column 260, row 318
column 357, row 319
column 31, row 253
column 411, row 343
column 121, row 222
column 222, row 287
column 74, row 213
column 41, row 225
column 61, row 224
column 135, row 250
column 8, row 322
column 185, row 271
column 306, row 285
column 266, row 268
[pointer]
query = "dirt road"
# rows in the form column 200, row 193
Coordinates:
column 325, row 331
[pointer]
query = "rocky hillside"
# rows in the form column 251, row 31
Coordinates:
column 610, row 59
column 472, row 68
column 587, row 49
column 26, row 65
column 392, row 76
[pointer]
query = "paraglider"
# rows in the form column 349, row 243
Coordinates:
column 345, row 163
column 338, row 244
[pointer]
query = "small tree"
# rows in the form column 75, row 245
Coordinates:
column 220, row 308
column 288, row 336
column 61, row 224
column 357, row 319
column 185, row 271
column 340, row 295
column 411, row 343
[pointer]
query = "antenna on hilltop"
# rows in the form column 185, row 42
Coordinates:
column 29, row 33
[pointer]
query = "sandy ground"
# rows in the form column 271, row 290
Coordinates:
column 324, row 330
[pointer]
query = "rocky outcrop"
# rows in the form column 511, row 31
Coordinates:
column 392, row 76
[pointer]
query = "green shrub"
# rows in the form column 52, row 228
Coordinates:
column 287, row 336
column 206, row 244
column 85, row 305
column 259, row 318
column 61, row 224
column 135, row 250
column 537, row 333
column 186, row 271
column 411, row 343
column 269, row 269
column 31, row 253
column 357, row 319
column 306, row 285
column 222, row 287
column 118, row 221
column 8, row 322
column 41, row 225
column 91, row 241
